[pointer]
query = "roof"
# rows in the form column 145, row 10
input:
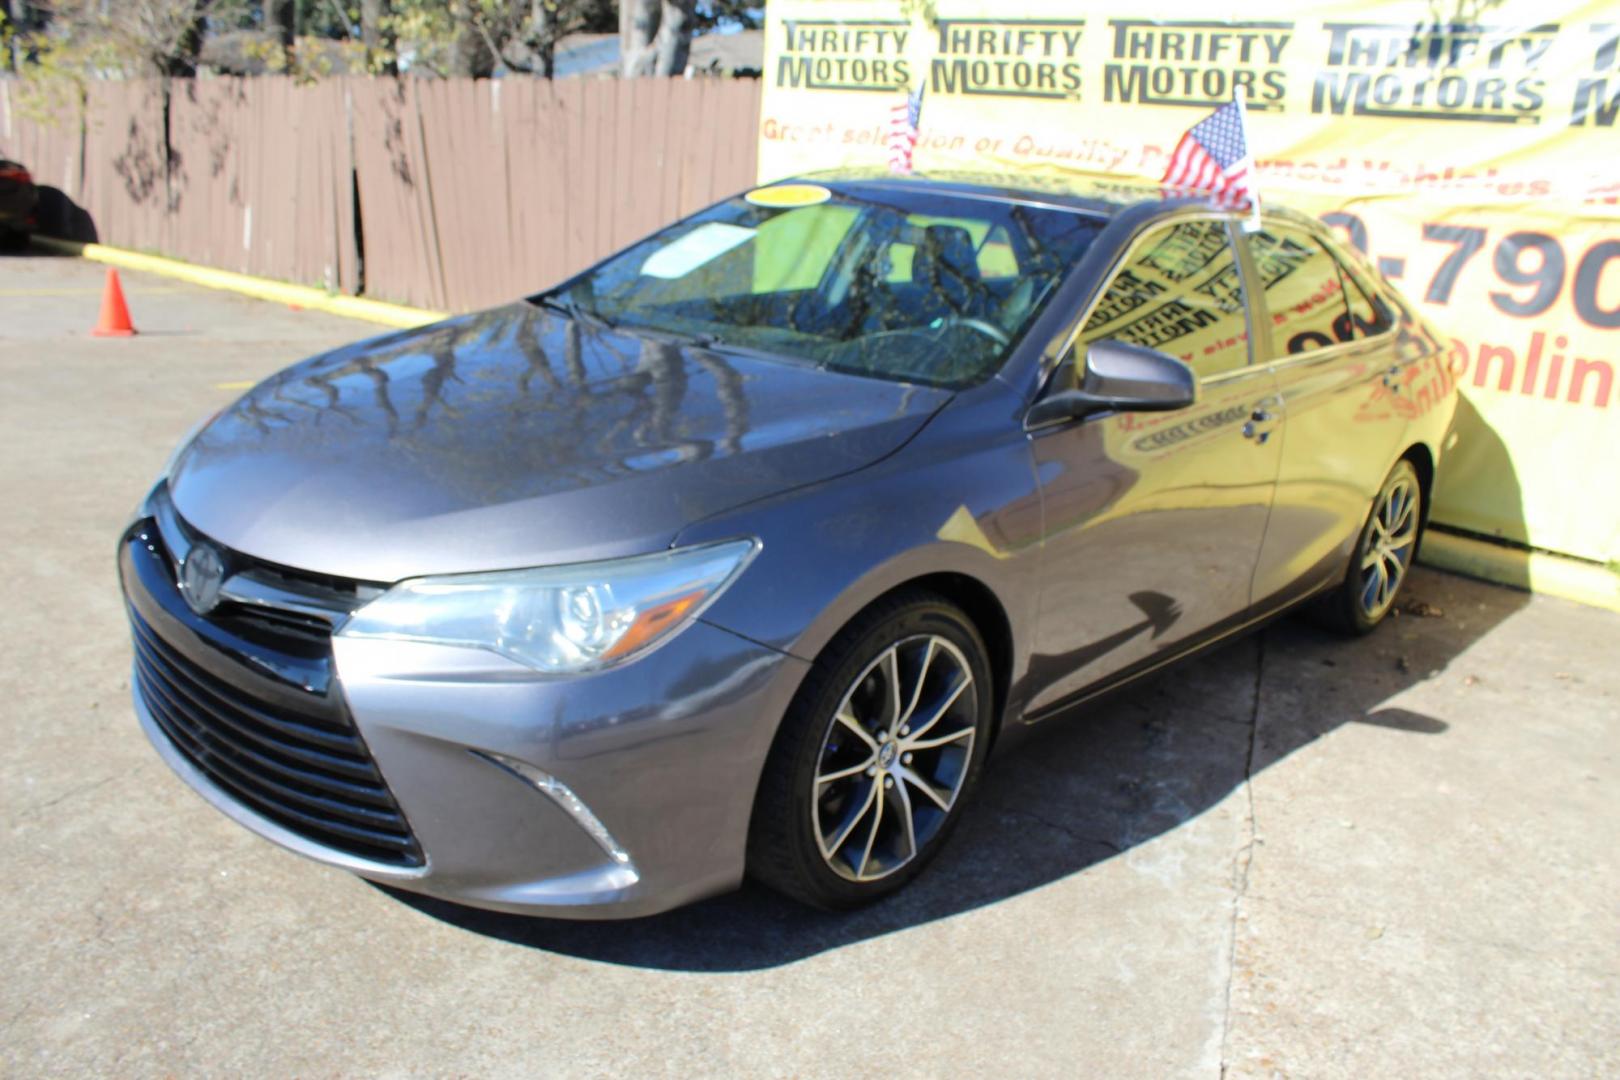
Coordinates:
column 1096, row 194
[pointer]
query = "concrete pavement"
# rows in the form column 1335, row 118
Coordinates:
column 1298, row 856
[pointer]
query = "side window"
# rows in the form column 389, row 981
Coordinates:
column 1370, row 313
column 1305, row 291
column 1179, row 291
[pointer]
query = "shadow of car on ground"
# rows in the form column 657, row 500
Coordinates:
column 1078, row 789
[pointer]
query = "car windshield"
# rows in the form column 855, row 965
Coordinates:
column 911, row 286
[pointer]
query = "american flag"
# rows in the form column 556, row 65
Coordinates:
column 1213, row 156
column 903, row 120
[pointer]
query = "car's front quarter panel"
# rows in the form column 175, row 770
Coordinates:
column 664, row 752
column 959, row 499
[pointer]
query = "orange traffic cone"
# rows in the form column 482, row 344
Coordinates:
column 114, row 321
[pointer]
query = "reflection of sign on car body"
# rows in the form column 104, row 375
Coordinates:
column 1172, row 435
column 1188, row 275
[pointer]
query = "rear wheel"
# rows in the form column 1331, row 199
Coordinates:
column 1382, row 557
column 876, row 756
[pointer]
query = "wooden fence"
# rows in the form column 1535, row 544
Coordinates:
column 450, row 194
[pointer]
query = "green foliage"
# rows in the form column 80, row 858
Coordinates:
column 130, row 37
column 925, row 11
column 85, row 39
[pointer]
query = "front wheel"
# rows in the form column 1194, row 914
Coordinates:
column 1382, row 557
column 876, row 756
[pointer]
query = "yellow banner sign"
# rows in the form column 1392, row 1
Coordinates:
column 1470, row 153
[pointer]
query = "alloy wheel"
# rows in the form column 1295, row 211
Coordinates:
column 1387, row 549
column 894, row 758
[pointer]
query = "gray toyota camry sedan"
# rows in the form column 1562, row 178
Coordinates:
column 737, row 553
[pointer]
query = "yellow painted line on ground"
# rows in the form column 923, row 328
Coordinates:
column 279, row 292
column 1537, row 571
column 245, row 384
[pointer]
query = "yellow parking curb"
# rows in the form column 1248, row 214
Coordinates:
column 280, row 292
column 1537, row 571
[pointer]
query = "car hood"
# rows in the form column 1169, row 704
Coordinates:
column 519, row 437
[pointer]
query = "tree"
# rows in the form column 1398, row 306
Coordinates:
column 7, row 20
column 136, row 37
column 470, row 38
column 655, row 36
column 281, row 19
column 378, row 36
column 477, row 37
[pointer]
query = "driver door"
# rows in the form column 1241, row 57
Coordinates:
column 1153, row 522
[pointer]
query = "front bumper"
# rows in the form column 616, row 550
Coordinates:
column 664, row 754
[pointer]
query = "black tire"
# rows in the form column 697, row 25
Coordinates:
column 1346, row 609
column 784, row 851
column 13, row 242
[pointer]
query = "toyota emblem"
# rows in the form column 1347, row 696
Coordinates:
column 201, row 576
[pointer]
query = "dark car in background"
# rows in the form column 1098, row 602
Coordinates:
column 736, row 553
column 19, row 204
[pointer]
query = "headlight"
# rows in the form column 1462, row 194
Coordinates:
column 559, row 619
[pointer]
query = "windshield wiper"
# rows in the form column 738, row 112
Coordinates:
column 699, row 338
column 574, row 310
column 716, row 343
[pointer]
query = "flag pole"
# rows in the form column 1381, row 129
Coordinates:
column 1253, row 222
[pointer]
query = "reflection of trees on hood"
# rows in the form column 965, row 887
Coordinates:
column 665, row 369
column 664, row 366
column 728, row 386
column 534, row 354
column 443, row 371
column 368, row 367
column 572, row 354
column 561, row 399
column 326, row 381
column 581, row 401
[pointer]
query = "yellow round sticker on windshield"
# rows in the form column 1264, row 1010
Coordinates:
column 780, row 196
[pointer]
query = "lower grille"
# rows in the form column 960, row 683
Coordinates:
column 303, row 771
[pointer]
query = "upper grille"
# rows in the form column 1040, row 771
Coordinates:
column 263, row 721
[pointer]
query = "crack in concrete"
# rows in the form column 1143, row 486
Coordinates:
column 1243, row 859
column 1018, row 811
column 35, row 811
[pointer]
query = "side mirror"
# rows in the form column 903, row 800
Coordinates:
column 1120, row 378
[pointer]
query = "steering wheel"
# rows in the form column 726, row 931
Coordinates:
column 988, row 329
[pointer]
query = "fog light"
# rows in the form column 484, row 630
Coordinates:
column 563, row 795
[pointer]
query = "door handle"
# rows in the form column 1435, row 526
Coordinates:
column 1252, row 430
column 1392, row 378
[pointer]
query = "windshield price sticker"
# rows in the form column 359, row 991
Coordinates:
column 783, row 196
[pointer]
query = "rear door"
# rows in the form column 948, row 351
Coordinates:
column 1331, row 344
column 1154, row 521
